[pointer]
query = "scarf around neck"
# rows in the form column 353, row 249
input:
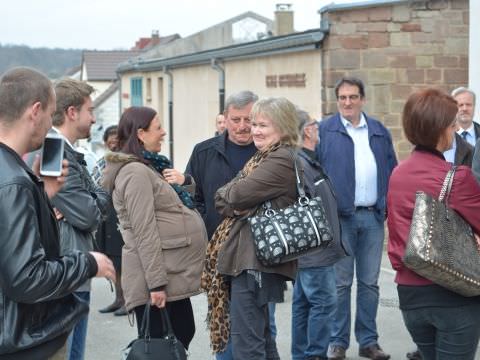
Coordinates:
column 160, row 163
column 214, row 283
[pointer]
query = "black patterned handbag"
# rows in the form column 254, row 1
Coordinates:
column 286, row 234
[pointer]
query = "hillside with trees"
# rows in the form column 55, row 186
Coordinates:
column 52, row 62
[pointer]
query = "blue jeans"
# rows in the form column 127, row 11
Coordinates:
column 271, row 319
column 78, row 336
column 445, row 333
column 227, row 354
column 362, row 235
column 313, row 309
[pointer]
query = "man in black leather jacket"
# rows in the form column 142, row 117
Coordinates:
column 37, row 308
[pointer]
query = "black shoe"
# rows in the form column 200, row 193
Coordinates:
column 414, row 355
column 110, row 308
column 336, row 352
column 373, row 352
column 121, row 312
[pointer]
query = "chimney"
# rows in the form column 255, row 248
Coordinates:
column 283, row 19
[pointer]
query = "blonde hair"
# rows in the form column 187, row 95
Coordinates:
column 283, row 115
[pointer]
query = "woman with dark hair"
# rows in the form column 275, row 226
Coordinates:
column 442, row 323
column 165, row 238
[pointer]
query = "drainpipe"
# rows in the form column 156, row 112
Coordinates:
column 170, row 110
column 221, row 83
column 120, row 99
column 325, row 28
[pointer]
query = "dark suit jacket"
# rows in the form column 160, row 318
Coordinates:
column 476, row 127
column 464, row 152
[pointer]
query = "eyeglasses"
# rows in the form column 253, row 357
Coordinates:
column 313, row 123
column 354, row 97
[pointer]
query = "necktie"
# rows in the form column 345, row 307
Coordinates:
column 464, row 135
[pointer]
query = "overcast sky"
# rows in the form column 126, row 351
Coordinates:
column 117, row 24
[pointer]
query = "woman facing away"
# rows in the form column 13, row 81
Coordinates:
column 232, row 265
column 165, row 238
column 443, row 324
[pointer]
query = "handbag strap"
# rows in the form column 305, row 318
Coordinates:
column 447, row 185
column 166, row 324
column 298, row 183
column 145, row 327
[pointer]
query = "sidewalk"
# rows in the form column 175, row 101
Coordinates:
column 108, row 334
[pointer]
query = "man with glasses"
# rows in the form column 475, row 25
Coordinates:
column 356, row 152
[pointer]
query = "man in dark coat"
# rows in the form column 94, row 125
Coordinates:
column 216, row 161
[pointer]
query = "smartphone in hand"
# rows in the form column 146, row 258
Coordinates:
column 52, row 155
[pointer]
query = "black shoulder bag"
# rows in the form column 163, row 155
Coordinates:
column 286, row 234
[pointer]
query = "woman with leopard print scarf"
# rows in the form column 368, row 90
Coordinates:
column 238, row 286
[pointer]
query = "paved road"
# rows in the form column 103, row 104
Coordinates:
column 108, row 334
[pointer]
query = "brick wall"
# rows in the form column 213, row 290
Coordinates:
column 396, row 49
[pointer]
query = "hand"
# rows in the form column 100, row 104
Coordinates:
column 173, row 176
column 105, row 266
column 52, row 184
column 58, row 214
column 158, row 298
column 240, row 212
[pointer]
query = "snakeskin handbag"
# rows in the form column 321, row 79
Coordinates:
column 286, row 234
column 441, row 245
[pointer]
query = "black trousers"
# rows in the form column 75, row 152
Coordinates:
column 180, row 313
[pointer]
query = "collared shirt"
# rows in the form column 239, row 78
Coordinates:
column 470, row 135
column 365, row 163
column 64, row 138
column 449, row 155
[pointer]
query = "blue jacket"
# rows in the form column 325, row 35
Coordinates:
column 336, row 155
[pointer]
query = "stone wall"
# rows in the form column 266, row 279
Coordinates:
column 396, row 49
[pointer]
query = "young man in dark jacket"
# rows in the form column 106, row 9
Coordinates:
column 36, row 282
column 80, row 205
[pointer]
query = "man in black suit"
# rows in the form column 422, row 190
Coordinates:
column 469, row 130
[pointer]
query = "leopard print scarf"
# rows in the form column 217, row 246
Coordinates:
column 215, row 284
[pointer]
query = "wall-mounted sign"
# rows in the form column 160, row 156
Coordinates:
column 286, row 80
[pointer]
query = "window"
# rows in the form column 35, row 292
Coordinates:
column 149, row 90
column 136, row 91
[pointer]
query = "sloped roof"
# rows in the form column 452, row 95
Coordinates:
column 217, row 35
column 147, row 43
column 106, row 94
column 301, row 41
column 102, row 64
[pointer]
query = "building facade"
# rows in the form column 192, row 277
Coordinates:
column 394, row 46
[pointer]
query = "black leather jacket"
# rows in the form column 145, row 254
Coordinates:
column 37, row 309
